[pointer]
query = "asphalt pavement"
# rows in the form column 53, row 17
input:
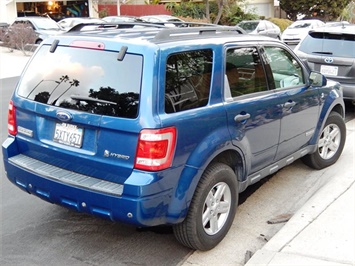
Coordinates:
column 322, row 232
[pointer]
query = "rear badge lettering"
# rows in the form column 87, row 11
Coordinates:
column 25, row 131
column 115, row 155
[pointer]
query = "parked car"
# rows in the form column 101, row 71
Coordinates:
column 43, row 27
column 68, row 23
column 337, row 23
column 56, row 16
column 331, row 51
column 166, row 126
column 117, row 19
column 160, row 18
column 294, row 33
column 262, row 27
column 3, row 29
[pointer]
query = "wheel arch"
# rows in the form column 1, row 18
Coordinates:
column 331, row 105
column 190, row 177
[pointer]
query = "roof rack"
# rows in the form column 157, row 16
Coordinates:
column 158, row 31
column 169, row 33
column 120, row 25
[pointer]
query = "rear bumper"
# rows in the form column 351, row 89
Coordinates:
column 111, row 203
column 347, row 88
column 348, row 91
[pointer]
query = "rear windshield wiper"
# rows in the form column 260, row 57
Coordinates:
column 89, row 99
column 328, row 53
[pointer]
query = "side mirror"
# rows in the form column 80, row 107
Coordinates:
column 317, row 79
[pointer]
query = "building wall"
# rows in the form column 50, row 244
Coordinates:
column 264, row 8
column 8, row 11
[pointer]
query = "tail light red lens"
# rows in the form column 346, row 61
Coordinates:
column 155, row 149
column 11, row 119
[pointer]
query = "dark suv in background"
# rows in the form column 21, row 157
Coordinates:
column 331, row 51
column 165, row 126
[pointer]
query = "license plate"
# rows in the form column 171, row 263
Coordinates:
column 68, row 134
column 329, row 70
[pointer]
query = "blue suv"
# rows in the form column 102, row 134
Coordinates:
column 166, row 126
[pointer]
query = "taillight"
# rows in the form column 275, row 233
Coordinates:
column 11, row 119
column 155, row 149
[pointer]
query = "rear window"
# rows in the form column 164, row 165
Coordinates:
column 92, row 81
column 248, row 26
column 337, row 45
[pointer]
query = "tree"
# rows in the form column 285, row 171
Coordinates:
column 325, row 10
column 225, row 12
column 349, row 13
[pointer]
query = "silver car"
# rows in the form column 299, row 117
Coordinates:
column 331, row 51
column 262, row 27
column 43, row 27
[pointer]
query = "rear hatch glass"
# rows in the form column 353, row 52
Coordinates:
column 337, row 45
column 98, row 97
column 333, row 54
column 92, row 81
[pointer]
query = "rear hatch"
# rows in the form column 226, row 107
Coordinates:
column 77, row 108
column 332, row 54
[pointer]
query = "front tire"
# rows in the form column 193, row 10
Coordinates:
column 330, row 144
column 212, row 209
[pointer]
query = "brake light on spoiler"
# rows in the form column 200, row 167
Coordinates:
column 156, row 148
column 88, row 44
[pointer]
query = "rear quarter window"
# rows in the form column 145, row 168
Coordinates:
column 92, row 81
column 188, row 80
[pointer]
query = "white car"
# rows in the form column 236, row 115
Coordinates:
column 294, row 33
column 166, row 20
column 160, row 18
column 68, row 23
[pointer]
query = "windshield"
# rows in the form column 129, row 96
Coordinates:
column 46, row 24
column 248, row 26
column 300, row 25
column 338, row 45
column 92, row 81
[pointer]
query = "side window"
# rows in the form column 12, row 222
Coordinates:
column 188, row 80
column 286, row 71
column 244, row 71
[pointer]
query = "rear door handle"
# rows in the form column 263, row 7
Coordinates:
column 241, row 117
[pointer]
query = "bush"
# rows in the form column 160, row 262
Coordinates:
column 282, row 23
column 18, row 37
column 187, row 10
column 232, row 12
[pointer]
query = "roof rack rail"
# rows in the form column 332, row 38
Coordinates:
column 120, row 25
column 158, row 32
column 168, row 33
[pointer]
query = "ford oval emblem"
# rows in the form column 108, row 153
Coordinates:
column 64, row 116
column 329, row 60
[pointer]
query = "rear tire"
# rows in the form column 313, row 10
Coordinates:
column 330, row 144
column 212, row 209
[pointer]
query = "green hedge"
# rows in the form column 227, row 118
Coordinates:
column 282, row 23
